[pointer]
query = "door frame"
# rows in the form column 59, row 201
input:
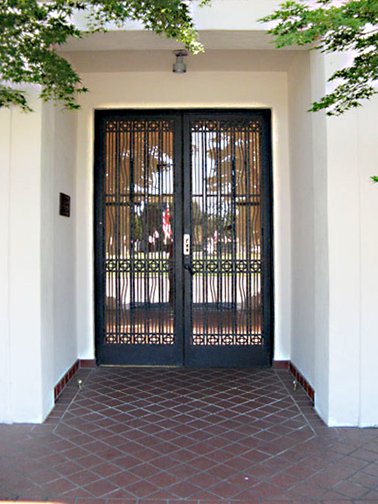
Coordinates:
column 181, row 148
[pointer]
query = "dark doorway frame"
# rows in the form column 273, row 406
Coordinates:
column 264, row 358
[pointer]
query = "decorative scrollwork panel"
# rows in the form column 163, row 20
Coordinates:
column 226, row 231
column 139, row 232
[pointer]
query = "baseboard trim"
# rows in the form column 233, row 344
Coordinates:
column 280, row 364
column 61, row 385
column 80, row 363
column 288, row 365
column 276, row 365
column 87, row 363
column 302, row 382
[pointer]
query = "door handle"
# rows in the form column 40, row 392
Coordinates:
column 189, row 268
column 186, row 244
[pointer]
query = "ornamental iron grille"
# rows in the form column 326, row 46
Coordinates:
column 226, row 231
column 160, row 177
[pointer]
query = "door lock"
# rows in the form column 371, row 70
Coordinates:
column 186, row 244
column 189, row 268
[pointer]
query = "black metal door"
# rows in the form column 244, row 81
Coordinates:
column 182, row 233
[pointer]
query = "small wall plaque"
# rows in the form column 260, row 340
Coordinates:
column 64, row 205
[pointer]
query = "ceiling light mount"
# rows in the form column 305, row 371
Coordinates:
column 179, row 66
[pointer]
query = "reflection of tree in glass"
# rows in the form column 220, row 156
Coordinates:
column 139, row 175
column 211, row 226
column 144, row 158
column 225, row 171
column 148, row 227
column 197, row 220
column 147, row 160
column 226, row 153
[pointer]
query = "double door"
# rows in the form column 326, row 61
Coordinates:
column 183, row 255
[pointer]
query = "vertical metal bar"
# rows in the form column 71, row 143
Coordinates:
column 219, row 257
column 183, row 219
column 233, row 234
column 107, row 222
column 205, row 171
column 117, row 233
column 121, row 210
column 132, row 258
column 145, row 174
column 159, row 223
column 249, row 230
column 100, row 235
column 257, row 241
column 267, row 265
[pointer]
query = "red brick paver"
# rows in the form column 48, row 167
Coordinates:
column 189, row 436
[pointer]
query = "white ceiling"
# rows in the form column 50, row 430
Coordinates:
column 157, row 61
column 141, row 50
column 142, row 40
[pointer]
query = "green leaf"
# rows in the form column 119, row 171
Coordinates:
column 10, row 97
column 350, row 26
column 30, row 32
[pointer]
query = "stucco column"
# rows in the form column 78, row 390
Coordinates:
column 5, row 159
column 346, row 238
column 326, row 245
column 26, row 389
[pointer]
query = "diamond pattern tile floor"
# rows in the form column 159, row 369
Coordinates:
column 189, row 436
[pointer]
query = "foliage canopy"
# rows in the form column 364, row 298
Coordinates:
column 31, row 31
column 334, row 26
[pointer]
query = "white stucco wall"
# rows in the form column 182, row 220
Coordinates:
column 46, row 240
column 310, row 270
column 58, row 237
column 233, row 14
column 353, row 268
column 37, row 287
column 241, row 15
column 344, row 269
column 5, row 162
column 192, row 90
column 25, row 384
column 64, row 255
column 325, row 234
column 334, row 247
column 302, row 218
column 368, row 166
column 321, row 286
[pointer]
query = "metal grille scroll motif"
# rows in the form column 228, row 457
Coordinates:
column 139, row 232
column 226, row 232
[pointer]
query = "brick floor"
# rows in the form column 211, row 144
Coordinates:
column 170, row 436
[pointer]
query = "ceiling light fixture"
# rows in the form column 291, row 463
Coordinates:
column 179, row 66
